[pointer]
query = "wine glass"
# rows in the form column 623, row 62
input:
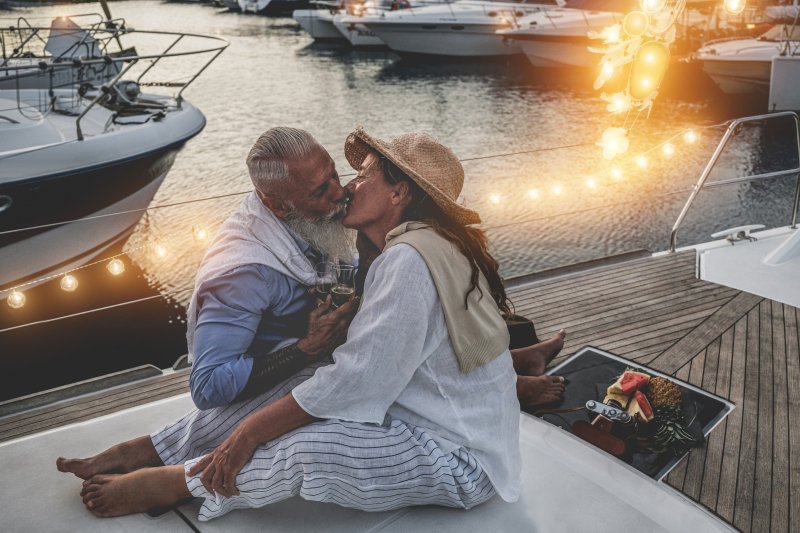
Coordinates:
column 325, row 280
column 345, row 288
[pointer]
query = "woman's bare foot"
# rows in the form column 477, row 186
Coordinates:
column 121, row 458
column 533, row 360
column 534, row 391
column 107, row 495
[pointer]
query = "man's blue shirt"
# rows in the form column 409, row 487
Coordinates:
column 244, row 313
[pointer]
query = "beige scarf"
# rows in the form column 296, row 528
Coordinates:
column 478, row 333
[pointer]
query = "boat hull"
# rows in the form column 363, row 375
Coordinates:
column 550, row 52
column 444, row 40
column 739, row 77
column 357, row 34
column 318, row 23
column 127, row 186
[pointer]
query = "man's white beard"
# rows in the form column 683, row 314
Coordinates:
column 324, row 234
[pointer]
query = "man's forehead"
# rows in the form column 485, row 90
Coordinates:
column 311, row 172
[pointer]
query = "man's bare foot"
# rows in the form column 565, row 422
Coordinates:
column 121, row 458
column 533, row 360
column 107, row 495
column 534, row 391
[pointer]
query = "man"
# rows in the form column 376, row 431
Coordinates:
column 248, row 319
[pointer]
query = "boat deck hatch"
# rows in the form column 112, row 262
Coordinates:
column 591, row 371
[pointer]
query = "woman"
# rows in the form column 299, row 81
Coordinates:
column 420, row 406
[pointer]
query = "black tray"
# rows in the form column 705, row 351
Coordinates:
column 590, row 371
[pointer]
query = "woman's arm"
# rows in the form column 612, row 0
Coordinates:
column 221, row 466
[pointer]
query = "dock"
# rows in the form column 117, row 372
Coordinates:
column 649, row 309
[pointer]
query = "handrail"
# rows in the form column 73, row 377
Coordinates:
column 732, row 127
column 103, row 93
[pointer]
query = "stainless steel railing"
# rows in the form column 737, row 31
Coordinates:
column 729, row 133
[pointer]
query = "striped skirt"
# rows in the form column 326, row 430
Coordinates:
column 362, row 466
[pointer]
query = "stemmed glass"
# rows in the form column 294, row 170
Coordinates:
column 326, row 279
column 345, row 289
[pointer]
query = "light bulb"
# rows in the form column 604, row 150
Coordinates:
column 591, row 182
column 495, row 198
column 16, row 299
column 160, row 250
column 734, row 6
column 616, row 173
column 608, row 69
column 641, row 161
column 199, row 234
column 533, row 194
column 690, row 136
column 635, row 23
column 653, row 6
column 116, row 267
column 557, row 189
column 69, row 283
column 668, row 149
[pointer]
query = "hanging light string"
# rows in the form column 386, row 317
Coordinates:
column 115, row 266
column 350, row 174
column 97, row 309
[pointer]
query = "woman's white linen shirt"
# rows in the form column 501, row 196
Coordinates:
column 398, row 361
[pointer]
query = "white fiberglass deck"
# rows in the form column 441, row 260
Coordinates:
column 768, row 267
column 569, row 486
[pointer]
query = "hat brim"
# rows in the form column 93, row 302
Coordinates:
column 359, row 144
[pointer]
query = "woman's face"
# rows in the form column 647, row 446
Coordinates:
column 370, row 197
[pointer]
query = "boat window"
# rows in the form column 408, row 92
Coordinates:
column 456, row 27
column 428, row 26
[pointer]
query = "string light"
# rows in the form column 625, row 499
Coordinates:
column 16, row 299
column 734, row 7
column 616, row 173
column 690, row 136
column 635, row 23
column 495, row 198
column 116, row 267
column 160, row 251
column 557, row 189
column 199, row 234
column 668, row 149
column 641, row 161
column 69, row 283
column 533, row 194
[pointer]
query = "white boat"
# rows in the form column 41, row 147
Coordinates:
column 272, row 7
column 465, row 28
column 558, row 37
column 318, row 23
column 232, row 5
column 76, row 152
column 743, row 66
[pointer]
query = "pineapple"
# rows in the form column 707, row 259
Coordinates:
column 664, row 392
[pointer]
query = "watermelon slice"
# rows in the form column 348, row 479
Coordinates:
column 640, row 408
column 629, row 382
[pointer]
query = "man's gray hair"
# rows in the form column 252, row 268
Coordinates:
column 267, row 159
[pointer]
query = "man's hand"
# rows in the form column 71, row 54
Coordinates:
column 326, row 328
column 220, row 467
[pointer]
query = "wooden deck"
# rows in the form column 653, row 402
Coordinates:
column 654, row 311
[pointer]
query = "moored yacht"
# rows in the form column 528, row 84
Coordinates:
column 69, row 154
column 272, row 7
column 318, row 23
column 743, row 66
column 465, row 28
column 558, row 37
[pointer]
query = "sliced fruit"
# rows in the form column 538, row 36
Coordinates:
column 621, row 399
column 629, row 382
column 640, row 408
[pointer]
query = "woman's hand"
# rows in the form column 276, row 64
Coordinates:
column 220, row 467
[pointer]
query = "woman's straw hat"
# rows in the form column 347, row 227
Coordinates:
column 432, row 166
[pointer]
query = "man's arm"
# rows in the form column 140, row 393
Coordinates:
column 231, row 308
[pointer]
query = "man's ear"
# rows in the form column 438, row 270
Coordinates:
column 401, row 194
column 275, row 204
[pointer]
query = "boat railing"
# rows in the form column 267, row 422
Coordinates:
column 733, row 127
column 49, row 72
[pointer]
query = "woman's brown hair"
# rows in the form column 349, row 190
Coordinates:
column 472, row 242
